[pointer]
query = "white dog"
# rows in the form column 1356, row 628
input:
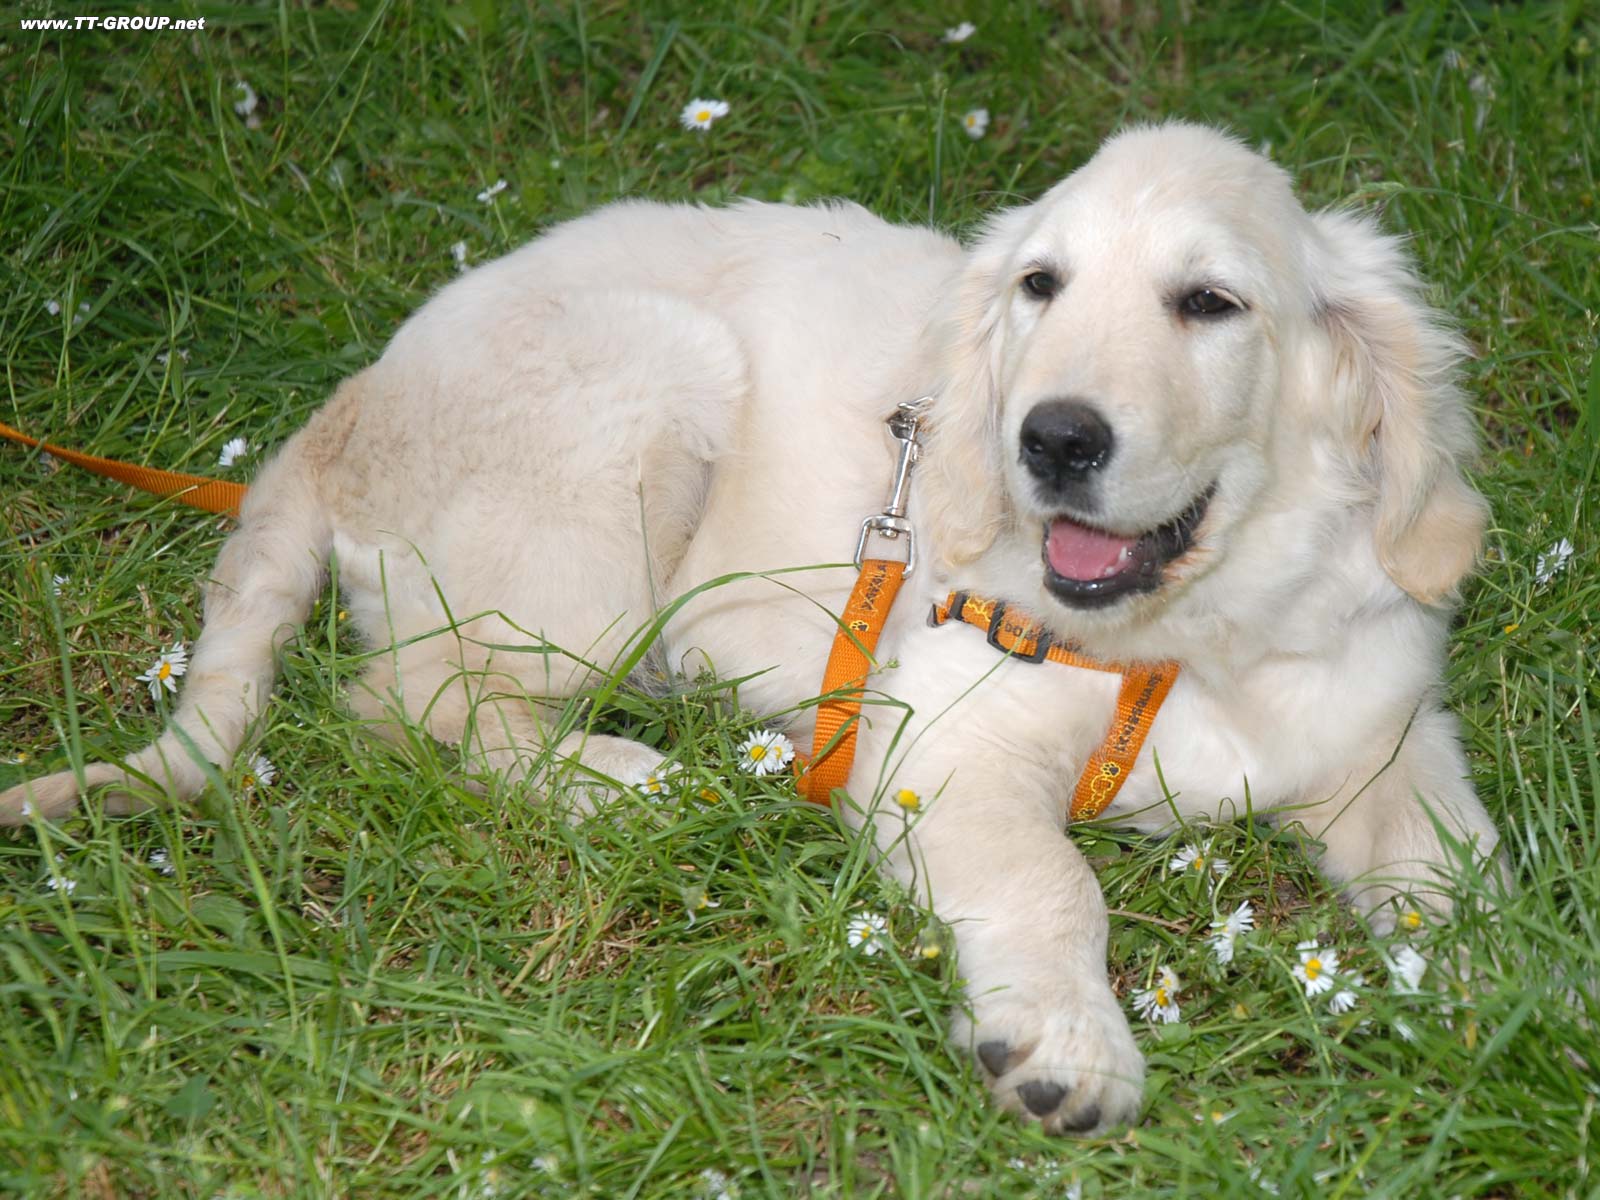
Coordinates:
column 1168, row 413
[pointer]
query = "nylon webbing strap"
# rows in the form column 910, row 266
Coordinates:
column 1144, row 687
column 213, row 495
column 833, row 748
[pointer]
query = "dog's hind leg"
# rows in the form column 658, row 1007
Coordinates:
column 265, row 580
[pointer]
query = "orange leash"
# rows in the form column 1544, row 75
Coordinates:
column 213, row 495
column 1144, row 687
column 844, row 682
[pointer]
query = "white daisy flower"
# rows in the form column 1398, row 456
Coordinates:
column 458, row 252
column 247, row 101
column 494, row 189
column 1240, row 921
column 1198, row 860
column 659, row 780
column 1552, row 561
column 1406, row 969
column 976, row 123
column 83, row 311
column 702, row 114
column 1343, row 1000
column 58, row 583
column 1405, row 1031
column 260, row 773
column 714, row 1185
column 766, row 752
column 166, row 356
column 232, row 451
column 961, row 32
column 164, row 672
column 1159, row 1003
column 697, row 900
column 1317, row 968
column 60, row 883
column 162, row 861
column 1229, row 930
column 53, row 307
column 868, row 933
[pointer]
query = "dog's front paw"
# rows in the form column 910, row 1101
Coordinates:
column 1065, row 1059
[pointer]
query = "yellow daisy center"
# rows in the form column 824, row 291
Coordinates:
column 1199, row 863
column 1313, row 967
column 907, row 799
column 703, row 116
column 249, row 780
column 164, row 670
column 1161, row 997
column 757, row 752
column 1412, row 919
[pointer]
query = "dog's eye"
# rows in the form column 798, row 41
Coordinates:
column 1207, row 302
column 1041, row 285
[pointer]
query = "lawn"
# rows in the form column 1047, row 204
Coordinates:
column 361, row 979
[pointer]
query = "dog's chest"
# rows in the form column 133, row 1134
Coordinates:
column 1219, row 752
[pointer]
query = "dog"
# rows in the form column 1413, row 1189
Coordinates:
column 1165, row 411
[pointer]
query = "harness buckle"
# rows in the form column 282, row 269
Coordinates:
column 1042, row 639
column 891, row 527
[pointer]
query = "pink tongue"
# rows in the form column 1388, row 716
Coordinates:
column 1079, row 553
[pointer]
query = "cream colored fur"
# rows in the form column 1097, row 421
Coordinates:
column 652, row 397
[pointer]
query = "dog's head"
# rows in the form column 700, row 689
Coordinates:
column 1166, row 380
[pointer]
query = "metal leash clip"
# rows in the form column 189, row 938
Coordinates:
column 891, row 523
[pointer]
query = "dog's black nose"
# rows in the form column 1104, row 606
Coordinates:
column 1063, row 441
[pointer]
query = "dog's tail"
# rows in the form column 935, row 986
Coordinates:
column 270, row 572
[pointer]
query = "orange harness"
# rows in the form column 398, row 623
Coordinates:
column 1144, row 685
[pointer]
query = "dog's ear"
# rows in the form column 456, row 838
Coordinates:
column 1394, row 372
column 962, row 476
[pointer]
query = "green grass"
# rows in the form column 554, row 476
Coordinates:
column 363, row 980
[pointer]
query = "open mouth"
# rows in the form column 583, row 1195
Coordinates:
column 1086, row 567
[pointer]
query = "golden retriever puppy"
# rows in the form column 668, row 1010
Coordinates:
column 1168, row 413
